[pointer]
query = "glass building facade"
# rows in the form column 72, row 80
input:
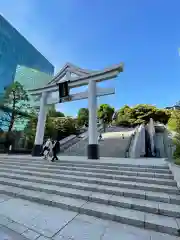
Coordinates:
column 29, row 78
column 20, row 61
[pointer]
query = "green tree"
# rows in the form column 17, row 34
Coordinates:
column 30, row 128
column 124, row 110
column 54, row 127
column 65, row 126
column 83, row 116
column 176, row 119
column 141, row 113
column 172, row 123
column 125, row 116
column 105, row 113
column 123, row 120
column 14, row 100
column 50, row 126
column 53, row 113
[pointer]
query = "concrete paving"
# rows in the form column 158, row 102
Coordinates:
column 38, row 222
column 8, row 234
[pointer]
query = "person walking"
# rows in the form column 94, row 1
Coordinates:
column 55, row 150
column 100, row 136
column 47, row 148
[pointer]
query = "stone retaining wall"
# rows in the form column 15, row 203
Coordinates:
column 137, row 148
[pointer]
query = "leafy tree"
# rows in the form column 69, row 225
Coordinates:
column 65, row 126
column 124, row 110
column 141, row 113
column 123, row 120
column 14, row 101
column 162, row 116
column 83, row 116
column 59, row 127
column 176, row 128
column 30, row 129
column 54, row 127
column 105, row 113
column 125, row 116
column 53, row 113
column 172, row 123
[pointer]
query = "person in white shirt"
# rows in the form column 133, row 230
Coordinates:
column 47, row 148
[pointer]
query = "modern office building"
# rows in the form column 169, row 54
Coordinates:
column 175, row 107
column 21, row 61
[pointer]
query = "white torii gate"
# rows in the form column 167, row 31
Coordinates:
column 75, row 77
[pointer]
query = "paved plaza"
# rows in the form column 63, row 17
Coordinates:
column 23, row 220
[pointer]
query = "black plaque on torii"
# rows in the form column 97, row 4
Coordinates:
column 63, row 91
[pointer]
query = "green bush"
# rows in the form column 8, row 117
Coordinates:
column 177, row 161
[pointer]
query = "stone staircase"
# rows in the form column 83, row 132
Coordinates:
column 118, row 146
column 77, row 149
column 144, row 196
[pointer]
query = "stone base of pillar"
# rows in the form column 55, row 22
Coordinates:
column 93, row 151
column 37, row 149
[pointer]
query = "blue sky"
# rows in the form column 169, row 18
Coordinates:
column 145, row 35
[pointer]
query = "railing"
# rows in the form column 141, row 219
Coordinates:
column 129, row 145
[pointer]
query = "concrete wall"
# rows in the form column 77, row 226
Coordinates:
column 168, row 144
column 164, row 142
column 137, row 148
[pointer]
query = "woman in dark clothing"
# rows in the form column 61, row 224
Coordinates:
column 55, row 150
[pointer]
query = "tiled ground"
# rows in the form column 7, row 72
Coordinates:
column 22, row 220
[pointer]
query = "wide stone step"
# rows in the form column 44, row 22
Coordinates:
column 80, row 183
column 91, row 177
column 112, row 211
column 56, row 165
column 87, row 174
column 165, row 209
column 148, row 195
column 88, row 163
column 115, row 183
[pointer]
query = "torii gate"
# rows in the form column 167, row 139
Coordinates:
column 71, row 76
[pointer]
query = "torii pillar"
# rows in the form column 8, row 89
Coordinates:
column 37, row 149
column 93, row 150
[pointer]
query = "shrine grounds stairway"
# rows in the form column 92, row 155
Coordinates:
column 142, row 193
column 112, row 137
